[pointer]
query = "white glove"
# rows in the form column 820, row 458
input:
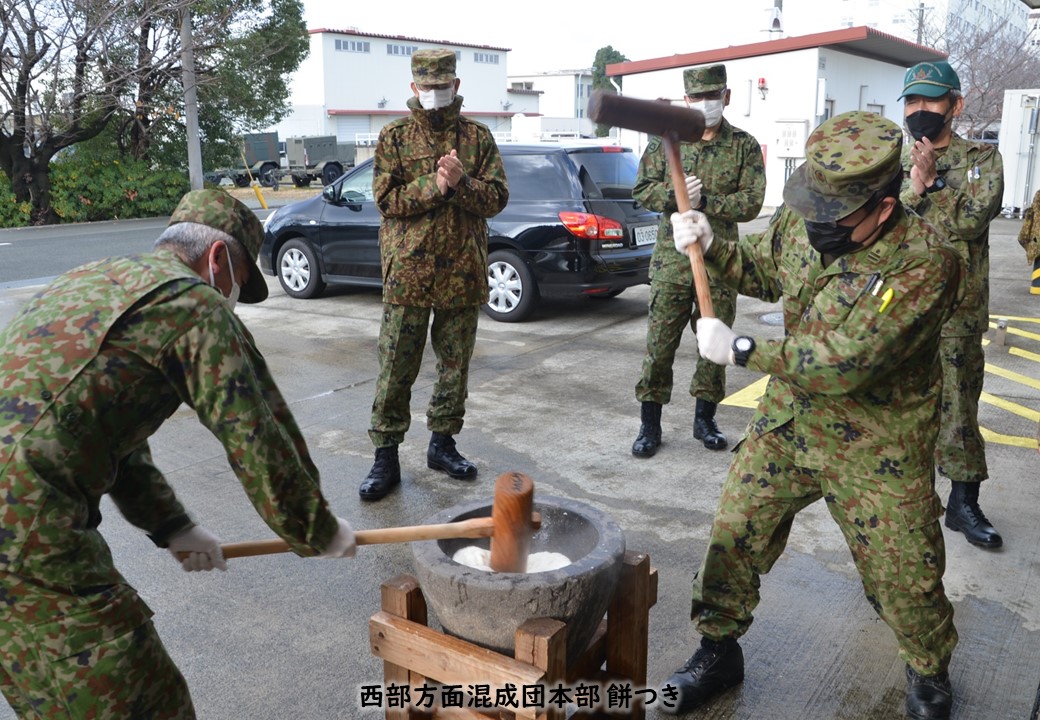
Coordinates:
column 715, row 341
column 693, row 189
column 342, row 544
column 691, row 227
column 202, row 546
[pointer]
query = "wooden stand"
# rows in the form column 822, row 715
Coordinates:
column 413, row 652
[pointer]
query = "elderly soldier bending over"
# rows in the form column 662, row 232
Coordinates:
column 437, row 178
column 89, row 370
column 956, row 185
column 850, row 413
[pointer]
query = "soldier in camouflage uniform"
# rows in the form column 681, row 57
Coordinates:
column 957, row 186
column 851, row 411
column 726, row 180
column 438, row 177
column 89, row 369
column 1029, row 239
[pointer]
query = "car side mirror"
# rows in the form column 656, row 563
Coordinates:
column 330, row 193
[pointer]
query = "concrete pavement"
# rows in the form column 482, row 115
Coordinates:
column 282, row 637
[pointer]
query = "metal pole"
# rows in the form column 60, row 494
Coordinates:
column 191, row 100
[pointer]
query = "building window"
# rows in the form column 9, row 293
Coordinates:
column 406, row 50
column 458, row 56
column 361, row 46
column 487, row 58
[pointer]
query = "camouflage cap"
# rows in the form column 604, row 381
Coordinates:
column 930, row 79
column 704, row 79
column 220, row 211
column 433, row 67
column 847, row 159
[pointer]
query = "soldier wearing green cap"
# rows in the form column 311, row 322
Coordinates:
column 850, row 414
column 438, row 177
column 956, row 185
column 90, row 368
column 725, row 178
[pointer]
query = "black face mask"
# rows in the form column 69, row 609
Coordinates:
column 829, row 238
column 925, row 124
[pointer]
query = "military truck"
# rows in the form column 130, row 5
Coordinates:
column 308, row 158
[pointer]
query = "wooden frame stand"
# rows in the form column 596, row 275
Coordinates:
column 413, row 653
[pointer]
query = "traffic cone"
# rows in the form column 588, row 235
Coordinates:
column 1034, row 287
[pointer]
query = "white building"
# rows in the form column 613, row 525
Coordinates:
column 564, row 97
column 353, row 83
column 781, row 89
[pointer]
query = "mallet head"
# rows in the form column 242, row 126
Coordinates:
column 654, row 117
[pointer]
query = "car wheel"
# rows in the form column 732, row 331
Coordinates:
column 241, row 181
column 607, row 295
column 301, row 181
column 513, row 292
column 298, row 270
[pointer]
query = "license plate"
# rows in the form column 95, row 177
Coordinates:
column 646, row 235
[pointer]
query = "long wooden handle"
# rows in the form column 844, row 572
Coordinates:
column 682, row 201
column 472, row 528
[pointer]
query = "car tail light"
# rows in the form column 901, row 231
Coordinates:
column 592, row 227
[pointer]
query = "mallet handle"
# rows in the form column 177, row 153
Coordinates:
column 682, row 201
column 472, row 528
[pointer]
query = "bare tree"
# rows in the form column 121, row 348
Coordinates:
column 71, row 68
column 63, row 76
column 989, row 59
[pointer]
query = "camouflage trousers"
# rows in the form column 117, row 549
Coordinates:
column 72, row 657
column 402, row 339
column 960, row 451
column 891, row 527
column 671, row 310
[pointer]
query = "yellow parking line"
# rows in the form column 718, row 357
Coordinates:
column 1024, row 354
column 992, row 437
column 1020, row 410
column 1014, row 376
column 748, row 396
column 1017, row 319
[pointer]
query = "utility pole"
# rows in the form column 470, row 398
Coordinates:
column 920, row 23
column 191, row 99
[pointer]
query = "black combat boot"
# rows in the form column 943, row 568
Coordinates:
column 716, row 666
column 704, row 427
column 964, row 515
column 384, row 476
column 649, row 438
column 928, row 697
column 442, row 455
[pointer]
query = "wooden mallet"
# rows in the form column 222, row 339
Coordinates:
column 673, row 125
column 509, row 530
column 511, row 515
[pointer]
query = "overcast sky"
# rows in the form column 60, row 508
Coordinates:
column 545, row 35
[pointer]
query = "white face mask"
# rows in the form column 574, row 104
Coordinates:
column 711, row 109
column 434, row 99
column 236, row 290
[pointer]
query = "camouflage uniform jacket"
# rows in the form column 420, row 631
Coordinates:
column 1029, row 234
column 962, row 212
column 857, row 385
column 731, row 167
column 434, row 247
column 90, row 368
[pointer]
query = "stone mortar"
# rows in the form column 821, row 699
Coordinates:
column 486, row 608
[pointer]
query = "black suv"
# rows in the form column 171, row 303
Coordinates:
column 570, row 227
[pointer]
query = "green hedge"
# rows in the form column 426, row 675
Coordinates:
column 89, row 190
